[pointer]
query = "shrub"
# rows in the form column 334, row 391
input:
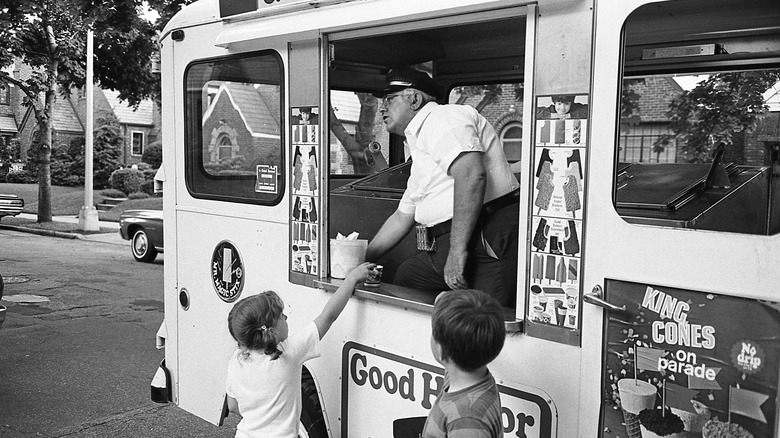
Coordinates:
column 23, row 177
column 147, row 187
column 126, row 180
column 149, row 173
column 137, row 195
column 69, row 181
column 112, row 193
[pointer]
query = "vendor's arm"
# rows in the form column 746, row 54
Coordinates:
column 395, row 228
column 470, row 182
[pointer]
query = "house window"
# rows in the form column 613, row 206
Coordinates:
column 5, row 95
column 138, row 143
column 225, row 148
column 512, row 139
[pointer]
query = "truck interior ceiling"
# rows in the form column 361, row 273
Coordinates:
column 699, row 120
column 479, row 60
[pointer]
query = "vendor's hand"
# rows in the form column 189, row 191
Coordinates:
column 361, row 272
column 453, row 270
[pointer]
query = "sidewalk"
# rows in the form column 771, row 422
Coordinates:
column 112, row 237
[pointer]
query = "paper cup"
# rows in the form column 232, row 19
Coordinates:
column 346, row 255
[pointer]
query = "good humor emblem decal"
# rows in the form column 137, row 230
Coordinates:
column 227, row 271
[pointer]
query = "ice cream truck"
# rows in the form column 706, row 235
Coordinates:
column 648, row 262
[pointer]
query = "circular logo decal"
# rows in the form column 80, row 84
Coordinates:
column 227, row 271
column 747, row 356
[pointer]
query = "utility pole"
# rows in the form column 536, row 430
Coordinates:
column 88, row 215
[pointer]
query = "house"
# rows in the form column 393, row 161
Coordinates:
column 139, row 127
column 650, row 122
column 232, row 134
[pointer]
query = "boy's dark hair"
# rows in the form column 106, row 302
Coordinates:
column 251, row 322
column 565, row 98
column 469, row 326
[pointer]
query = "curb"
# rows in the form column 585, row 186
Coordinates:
column 51, row 233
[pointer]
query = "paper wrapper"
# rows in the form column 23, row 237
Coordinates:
column 647, row 434
column 693, row 421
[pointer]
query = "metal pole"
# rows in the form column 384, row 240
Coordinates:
column 88, row 216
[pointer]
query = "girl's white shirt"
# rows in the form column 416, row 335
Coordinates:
column 268, row 391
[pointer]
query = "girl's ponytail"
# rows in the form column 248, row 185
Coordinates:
column 251, row 323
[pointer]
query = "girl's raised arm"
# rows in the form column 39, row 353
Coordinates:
column 339, row 300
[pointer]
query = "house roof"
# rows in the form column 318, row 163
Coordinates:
column 346, row 106
column 144, row 115
column 64, row 117
column 262, row 120
column 8, row 124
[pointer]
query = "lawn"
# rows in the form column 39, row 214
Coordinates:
column 67, row 201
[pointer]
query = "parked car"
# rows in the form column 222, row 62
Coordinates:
column 144, row 230
column 10, row 205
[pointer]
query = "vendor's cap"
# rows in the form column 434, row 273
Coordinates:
column 398, row 79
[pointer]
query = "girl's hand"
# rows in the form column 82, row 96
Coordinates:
column 361, row 272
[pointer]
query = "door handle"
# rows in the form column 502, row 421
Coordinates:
column 596, row 297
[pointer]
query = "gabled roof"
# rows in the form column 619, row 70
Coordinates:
column 65, row 118
column 262, row 120
column 143, row 116
column 346, row 106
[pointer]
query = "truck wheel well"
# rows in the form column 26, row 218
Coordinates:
column 312, row 416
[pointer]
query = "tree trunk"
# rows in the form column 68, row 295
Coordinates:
column 356, row 146
column 45, row 125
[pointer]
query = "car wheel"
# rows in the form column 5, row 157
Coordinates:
column 143, row 251
column 312, row 423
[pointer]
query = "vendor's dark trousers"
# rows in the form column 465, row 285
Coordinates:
column 495, row 276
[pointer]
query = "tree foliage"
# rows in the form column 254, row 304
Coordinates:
column 50, row 36
column 718, row 108
column 153, row 155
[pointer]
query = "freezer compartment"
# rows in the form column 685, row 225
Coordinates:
column 699, row 196
column 364, row 205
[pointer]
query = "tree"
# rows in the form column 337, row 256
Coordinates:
column 50, row 37
column 716, row 109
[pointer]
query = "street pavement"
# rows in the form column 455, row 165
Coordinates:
column 80, row 364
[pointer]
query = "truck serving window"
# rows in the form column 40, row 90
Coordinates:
column 698, row 141
column 233, row 129
column 477, row 60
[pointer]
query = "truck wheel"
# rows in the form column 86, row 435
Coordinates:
column 312, row 423
column 143, row 251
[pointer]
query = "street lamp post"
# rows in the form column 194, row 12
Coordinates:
column 88, row 215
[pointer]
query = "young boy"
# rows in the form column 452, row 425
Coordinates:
column 468, row 333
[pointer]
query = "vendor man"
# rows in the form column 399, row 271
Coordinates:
column 461, row 196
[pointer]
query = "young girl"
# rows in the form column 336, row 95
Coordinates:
column 264, row 374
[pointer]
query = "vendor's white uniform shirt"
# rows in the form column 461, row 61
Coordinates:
column 269, row 391
column 435, row 137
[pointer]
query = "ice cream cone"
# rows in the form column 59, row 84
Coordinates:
column 633, row 428
column 635, row 395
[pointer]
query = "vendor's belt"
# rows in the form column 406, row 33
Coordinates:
column 488, row 209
